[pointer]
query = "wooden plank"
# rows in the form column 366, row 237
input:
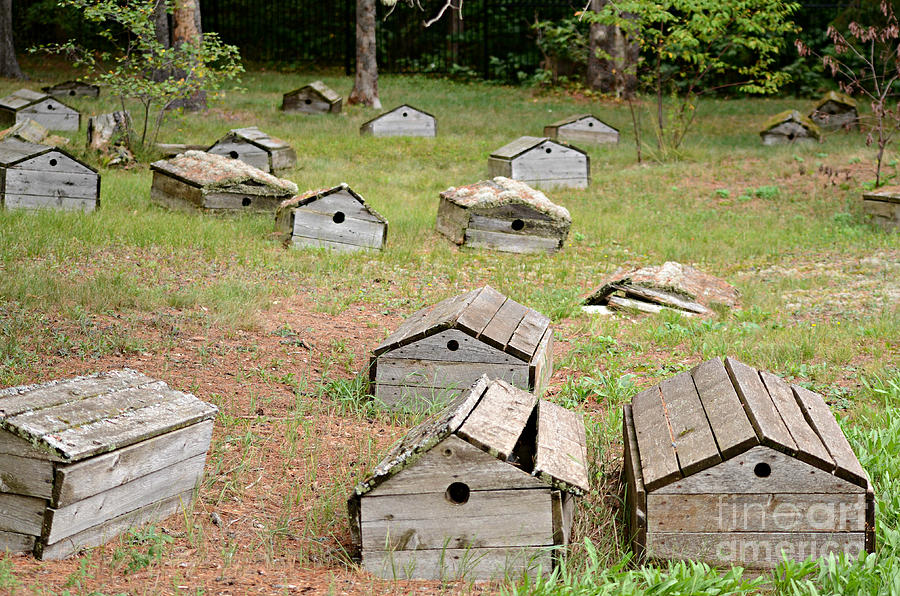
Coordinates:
column 106, row 531
column 244, row 151
column 514, row 243
column 305, row 102
column 10, row 444
column 455, row 460
column 669, row 299
column 504, row 323
column 488, row 518
column 55, row 161
column 452, row 221
column 17, row 400
column 22, row 515
column 89, row 477
column 520, row 145
column 344, row 202
column 323, row 226
column 26, row 476
column 499, row 167
column 402, row 122
column 561, row 458
column 423, row 322
column 20, row 201
column 754, row 550
column 283, row 159
column 695, row 446
column 14, row 543
column 532, row 223
column 622, row 303
column 809, row 447
column 456, row 346
column 300, row 243
column 481, row 310
column 541, row 368
column 655, row 440
column 724, row 411
column 444, row 373
column 551, row 165
column 739, row 474
column 172, row 193
column 407, row 398
column 498, row 420
column 50, row 120
column 755, row 512
column 758, row 405
column 232, row 201
column 635, row 495
column 820, row 418
column 77, row 517
column 473, row 564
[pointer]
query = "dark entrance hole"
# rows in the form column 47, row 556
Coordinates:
column 762, row 470
column 457, row 493
column 452, row 345
column 338, row 217
column 518, row 224
column 246, row 201
column 233, row 154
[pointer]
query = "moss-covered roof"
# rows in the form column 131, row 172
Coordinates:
column 500, row 191
column 219, row 173
column 836, row 97
column 792, row 116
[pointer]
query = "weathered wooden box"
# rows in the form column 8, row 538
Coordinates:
column 882, row 207
column 835, row 111
column 72, row 89
column 789, row 126
column 42, row 177
column 541, row 162
column 502, row 214
column 82, row 460
column 402, row 121
column 209, row 182
column 582, row 128
column 483, row 490
column 335, row 218
column 731, row 465
column 439, row 351
column 40, row 107
column 315, row 98
column 253, row 146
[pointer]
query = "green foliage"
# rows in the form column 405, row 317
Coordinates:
column 140, row 67
column 563, row 42
column 146, row 546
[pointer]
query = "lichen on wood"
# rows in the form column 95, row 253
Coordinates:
column 217, row 172
column 500, row 191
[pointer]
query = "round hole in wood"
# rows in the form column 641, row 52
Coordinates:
column 405, row 114
column 51, row 107
column 72, row 92
column 518, row 224
column 338, row 217
column 246, row 201
column 53, row 162
column 233, row 154
column 548, row 150
column 452, row 345
column 448, row 452
column 791, row 136
column 762, row 470
column 307, row 101
column 590, row 124
column 457, row 493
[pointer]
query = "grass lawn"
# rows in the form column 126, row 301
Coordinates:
column 277, row 338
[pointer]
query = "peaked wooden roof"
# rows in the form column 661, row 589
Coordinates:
column 14, row 151
column 485, row 314
column 525, row 144
column 578, row 117
column 500, row 191
column 254, row 136
column 311, row 196
column 217, row 172
column 839, row 98
column 76, row 418
column 68, row 86
column 323, row 90
column 400, row 107
column 792, row 116
column 717, row 410
column 493, row 416
column 22, row 98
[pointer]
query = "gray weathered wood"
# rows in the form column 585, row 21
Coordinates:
column 102, row 533
column 403, row 121
column 552, row 165
column 514, row 243
column 456, row 346
column 446, row 373
column 766, row 421
column 809, row 447
column 455, row 460
column 542, row 364
column 89, row 477
column 496, row 424
column 531, row 225
column 654, row 437
column 26, row 476
column 424, row 321
column 170, row 193
column 315, row 98
column 52, row 114
column 635, row 495
column 414, row 398
column 54, row 160
column 14, row 543
column 737, row 475
column 428, row 521
column 823, row 422
column 22, row 515
column 309, row 223
column 882, row 213
column 756, row 512
column 525, row 339
column 622, row 303
column 452, row 220
column 504, row 323
column 174, row 480
column 481, row 310
column 695, row 446
column 246, row 152
column 173, row 149
column 466, row 564
column 724, row 411
column 499, row 167
column 561, row 458
column 669, row 299
column 72, row 89
column 10, row 444
column 19, row 201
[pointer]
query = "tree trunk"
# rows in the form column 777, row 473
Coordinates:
column 9, row 66
column 613, row 74
column 186, row 18
column 163, row 35
column 365, row 87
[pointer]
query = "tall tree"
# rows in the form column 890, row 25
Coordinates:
column 187, row 30
column 365, row 87
column 612, row 58
column 9, row 66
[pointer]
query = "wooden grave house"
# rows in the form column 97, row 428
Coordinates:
column 72, row 89
column 402, row 121
column 882, row 207
column 85, row 459
column 789, row 126
column 253, row 146
column 835, row 111
column 582, row 128
column 442, row 349
column 43, row 177
column 315, row 98
column 40, row 107
column 731, row 465
column 337, row 218
column 483, row 490
column 541, row 162
column 210, row 182
column 502, row 214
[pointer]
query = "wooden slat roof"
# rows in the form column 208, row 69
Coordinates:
column 311, row 196
column 493, row 415
column 321, row 89
column 838, row 98
column 400, row 107
column 77, row 418
column 254, row 136
column 717, row 410
column 485, row 314
column 217, row 172
column 578, row 117
column 14, row 151
column 524, row 144
column 22, row 98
